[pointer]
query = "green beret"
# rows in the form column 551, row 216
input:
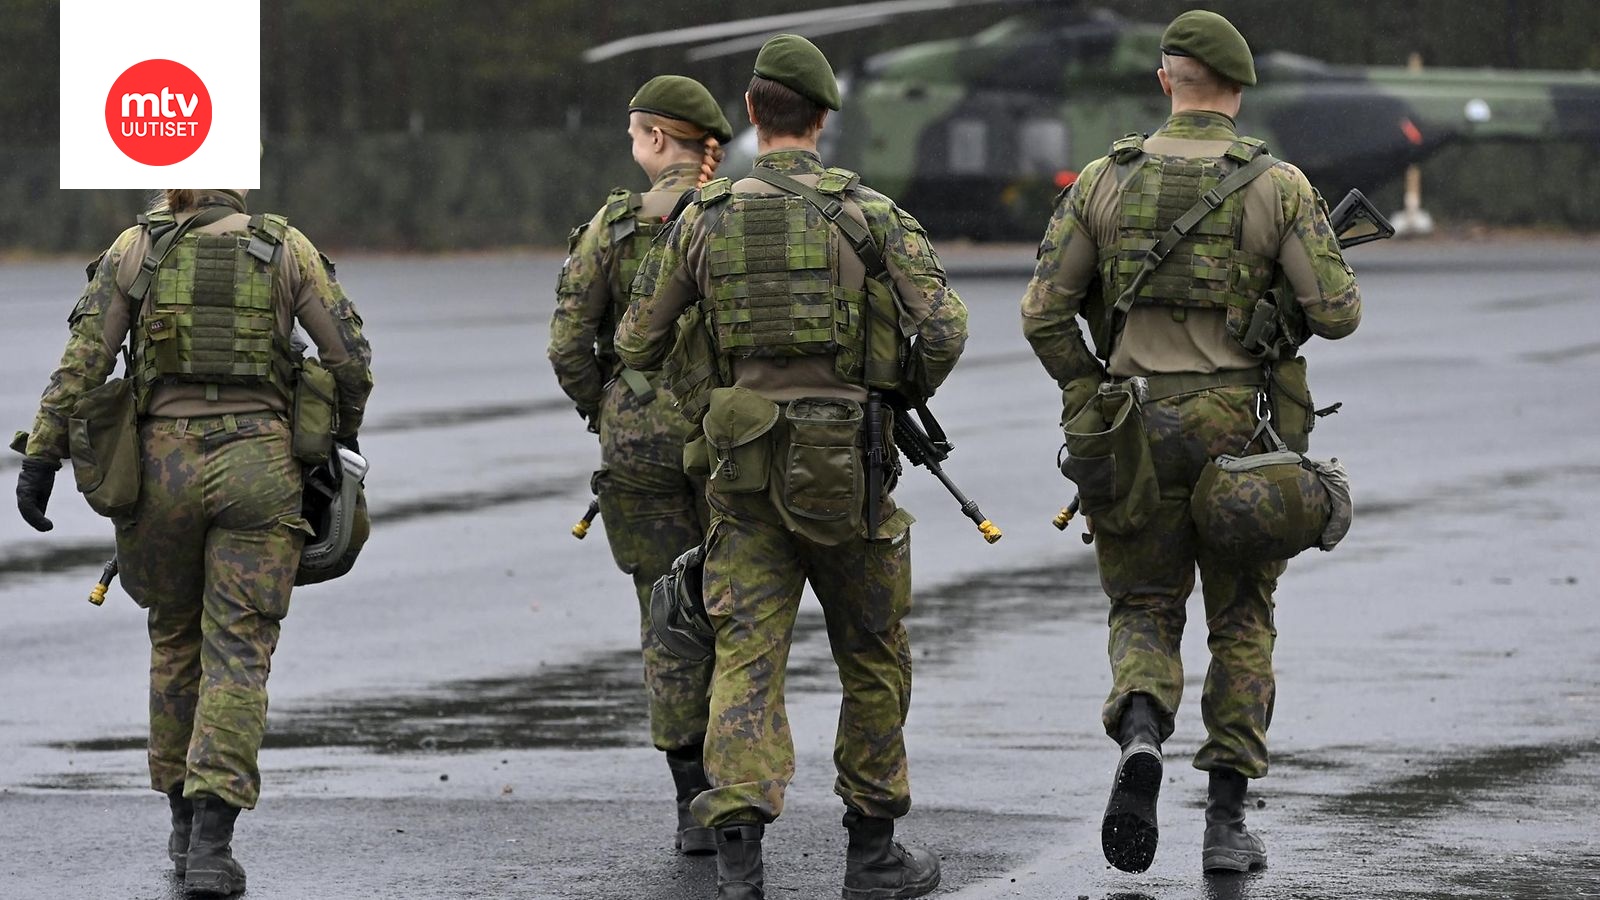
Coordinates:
column 679, row 97
column 1214, row 41
column 798, row 65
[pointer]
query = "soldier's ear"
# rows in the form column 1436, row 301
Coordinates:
column 750, row 109
column 1166, row 81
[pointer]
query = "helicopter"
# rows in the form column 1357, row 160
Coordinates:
column 979, row 133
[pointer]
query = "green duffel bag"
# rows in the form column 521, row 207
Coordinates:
column 103, row 439
column 1270, row 506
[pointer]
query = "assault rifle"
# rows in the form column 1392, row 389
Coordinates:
column 1355, row 221
column 925, row 444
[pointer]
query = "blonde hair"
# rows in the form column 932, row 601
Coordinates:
column 176, row 200
column 691, row 137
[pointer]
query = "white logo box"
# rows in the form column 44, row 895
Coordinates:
column 220, row 40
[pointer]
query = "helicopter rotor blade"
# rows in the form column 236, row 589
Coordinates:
column 834, row 19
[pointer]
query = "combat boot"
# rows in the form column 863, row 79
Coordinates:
column 689, row 775
column 182, row 820
column 740, row 875
column 1128, row 832
column 1228, row 847
column 876, row 867
column 212, row 870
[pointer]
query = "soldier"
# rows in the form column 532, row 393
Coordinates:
column 212, row 547
column 798, row 283
column 651, row 509
column 1193, row 327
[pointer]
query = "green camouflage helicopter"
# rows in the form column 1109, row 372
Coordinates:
column 977, row 134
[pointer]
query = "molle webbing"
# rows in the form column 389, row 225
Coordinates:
column 772, row 273
column 1180, row 224
column 212, row 319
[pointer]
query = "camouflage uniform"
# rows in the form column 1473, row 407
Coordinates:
column 651, row 510
column 212, row 548
column 1149, row 575
column 760, row 554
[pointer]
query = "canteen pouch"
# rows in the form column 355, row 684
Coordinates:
column 824, row 477
column 1289, row 397
column 738, row 426
column 103, row 439
column 314, row 413
column 1108, row 458
column 1270, row 506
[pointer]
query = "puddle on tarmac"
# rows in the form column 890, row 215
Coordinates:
column 1451, row 782
column 423, row 420
column 600, row 702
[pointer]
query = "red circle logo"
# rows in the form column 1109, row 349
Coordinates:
column 158, row 112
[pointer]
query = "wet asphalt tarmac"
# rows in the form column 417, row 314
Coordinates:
column 462, row 716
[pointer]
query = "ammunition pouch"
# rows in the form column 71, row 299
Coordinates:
column 678, row 617
column 823, row 470
column 314, row 413
column 103, row 440
column 1108, row 457
column 1270, row 506
column 738, row 426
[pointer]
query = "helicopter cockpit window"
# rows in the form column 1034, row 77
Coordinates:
column 1042, row 146
column 969, row 146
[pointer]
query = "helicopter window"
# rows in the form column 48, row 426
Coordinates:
column 969, row 146
column 1042, row 145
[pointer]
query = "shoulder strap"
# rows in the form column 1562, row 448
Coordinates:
column 1208, row 201
column 1127, row 155
column 164, row 235
column 832, row 209
column 715, row 191
column 267, row 232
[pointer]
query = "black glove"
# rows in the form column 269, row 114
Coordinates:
column 352, row 443
column 34, row 484
column 591, row 419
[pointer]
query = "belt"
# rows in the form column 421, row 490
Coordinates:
column 1175, row 384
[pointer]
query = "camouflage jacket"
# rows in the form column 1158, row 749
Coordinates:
column 1284, row 219
column 588, row 292
column 675, row 275
column 305, row 290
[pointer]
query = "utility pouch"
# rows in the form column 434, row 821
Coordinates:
column 1108, row 457
column 738, row 426
column 1289, row 395
column 103, row 438
column 690, row 370
column 824, row 476
column 315, row 413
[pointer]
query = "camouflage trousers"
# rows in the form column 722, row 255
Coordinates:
column 1149, row 576
column 652, row 512
column 755, row 571
column 211, row 553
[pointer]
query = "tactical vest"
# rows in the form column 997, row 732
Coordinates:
column 775, row 288
column 211, row 318
column 1207, row 269
column 629, row 237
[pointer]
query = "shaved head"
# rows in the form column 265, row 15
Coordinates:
column 1195, row 85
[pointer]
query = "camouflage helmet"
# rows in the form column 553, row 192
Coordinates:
column 335, row 504
column 678, row 616
column 1270, row 506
